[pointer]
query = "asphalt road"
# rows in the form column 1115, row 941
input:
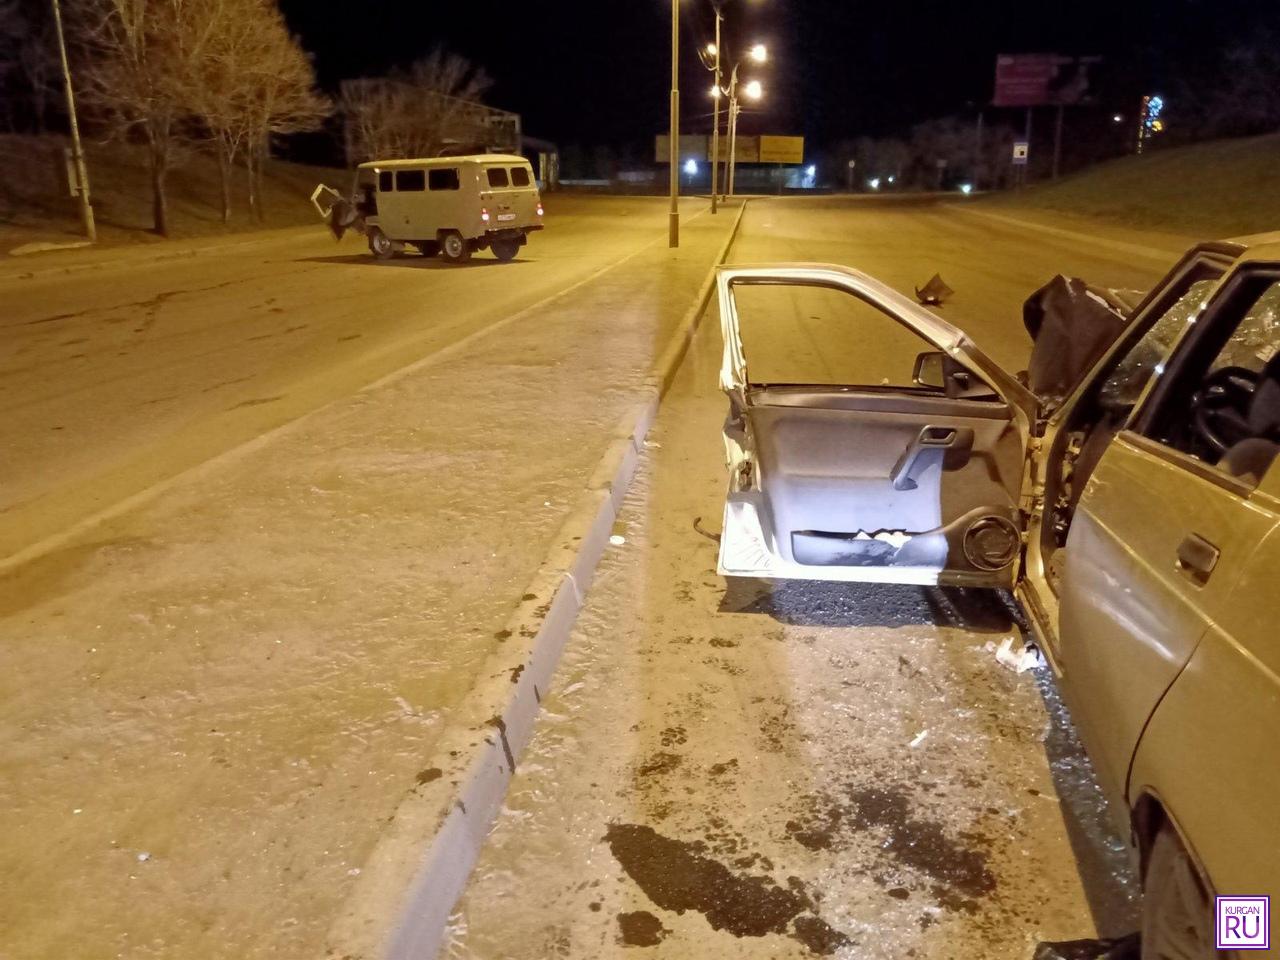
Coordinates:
column 117, row 378
column 212, row 701
column 800, row 769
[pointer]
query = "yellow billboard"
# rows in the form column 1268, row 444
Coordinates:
column 782, row 149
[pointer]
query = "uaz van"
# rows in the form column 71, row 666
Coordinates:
column 451, row 206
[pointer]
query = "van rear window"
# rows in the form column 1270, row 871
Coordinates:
column 519, row 177
column 498, row 177
column 445, row 178
column 384, row 181
column 411, row 181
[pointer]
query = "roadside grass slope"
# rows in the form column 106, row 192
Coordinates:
column 35, row 206
column 1220, row 188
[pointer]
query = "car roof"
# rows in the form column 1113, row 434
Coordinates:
column 443, row 161
column 1260, row 246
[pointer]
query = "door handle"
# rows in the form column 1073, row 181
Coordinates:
column 1196, row 558
column 930, row 446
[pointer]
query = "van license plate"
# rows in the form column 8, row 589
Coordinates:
column 506, row 216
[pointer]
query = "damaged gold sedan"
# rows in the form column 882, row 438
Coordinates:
column 1126, row 487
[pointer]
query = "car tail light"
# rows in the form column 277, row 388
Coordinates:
column 539, row 208
column 484, row 214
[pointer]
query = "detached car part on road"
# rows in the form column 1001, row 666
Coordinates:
column 1133, row 505
column 450, row 206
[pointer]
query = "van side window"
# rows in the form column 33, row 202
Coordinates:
column 497, row 177
column 384, row 181
column 410, row 180
column 445, row 178
column 519, row 177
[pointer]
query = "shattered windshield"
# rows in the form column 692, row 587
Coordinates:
column 1257, row 338
column 1126, row 383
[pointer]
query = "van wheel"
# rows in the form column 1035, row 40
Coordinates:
column 1176, row 915
column 380, row 245
column 506, row 249
column 454, row 247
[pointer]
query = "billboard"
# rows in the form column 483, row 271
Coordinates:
column 789, row 150
column 782, row 149
column 1040, row 79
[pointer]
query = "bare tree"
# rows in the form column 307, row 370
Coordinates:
column 140, row 54
column 251, row 80
column 414, row 113
column 285, row 99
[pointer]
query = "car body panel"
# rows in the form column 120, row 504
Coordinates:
column 1130, row 614
column 1209, row 752
column 868, row 483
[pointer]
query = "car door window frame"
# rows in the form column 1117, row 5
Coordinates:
column 880, row 309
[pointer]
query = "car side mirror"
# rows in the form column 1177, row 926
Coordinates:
column 930, row 370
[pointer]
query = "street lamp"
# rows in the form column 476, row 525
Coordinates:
column 673, row 157
column 752, row 90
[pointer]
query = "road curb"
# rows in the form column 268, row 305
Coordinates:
column 399, row 907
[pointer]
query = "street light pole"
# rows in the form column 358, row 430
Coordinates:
column 673, row 218
column 77, row 151
column 715, row 123
column 733, row 138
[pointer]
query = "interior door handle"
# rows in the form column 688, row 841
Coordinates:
column 930, row 446
column 1196, row 558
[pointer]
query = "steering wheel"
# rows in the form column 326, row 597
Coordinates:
column 1219, row 409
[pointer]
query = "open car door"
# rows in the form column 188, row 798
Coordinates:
column 864, row 466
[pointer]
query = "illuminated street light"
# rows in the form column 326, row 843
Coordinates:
column 715, row 92
column 712, row 49
column 1118, row 118
column 812, row 171
column 691, row 167
column 966, row 188
column 753, row 90
column 759, row 53
column 874, row 183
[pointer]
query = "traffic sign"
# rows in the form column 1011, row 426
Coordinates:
column 1020, row 151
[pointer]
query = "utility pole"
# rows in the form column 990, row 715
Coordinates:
column 715, row 123
column 673, row 218
column 81, row 186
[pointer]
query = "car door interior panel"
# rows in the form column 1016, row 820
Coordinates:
column 900, row 487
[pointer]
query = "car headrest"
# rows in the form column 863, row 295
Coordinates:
column 1264, row 408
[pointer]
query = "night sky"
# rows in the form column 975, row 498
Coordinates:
column 598, row 72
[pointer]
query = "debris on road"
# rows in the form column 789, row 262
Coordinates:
column 935, row 292
column 1019, row 661
column 918, row 739
column 1122, row 948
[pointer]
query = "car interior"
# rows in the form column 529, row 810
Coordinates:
column 1230, row 407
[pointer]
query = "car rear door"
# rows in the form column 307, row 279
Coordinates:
column 1161, row 535
column 884, row 475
